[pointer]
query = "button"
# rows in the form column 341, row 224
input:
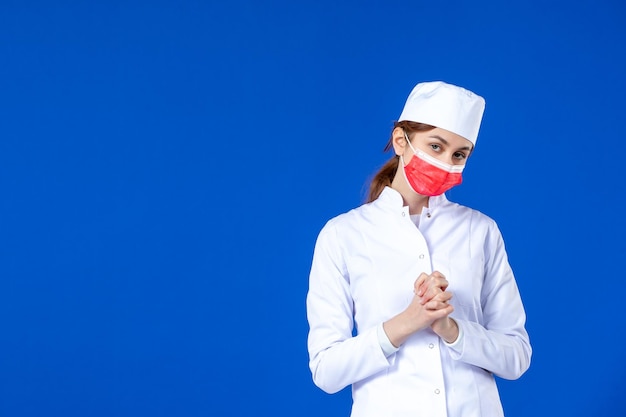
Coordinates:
column 402, row 214
column 428, row 215
column 421, row 256
column 431, row 346
column 437, row 391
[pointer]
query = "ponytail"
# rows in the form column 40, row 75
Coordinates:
column 383, row 178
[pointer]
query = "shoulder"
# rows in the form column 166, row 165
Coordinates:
column 351, row 225
column 345, row 220
column 334, row 235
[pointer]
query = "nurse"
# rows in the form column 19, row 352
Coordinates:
column 411, row 297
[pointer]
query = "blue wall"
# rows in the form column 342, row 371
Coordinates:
column 165, row 168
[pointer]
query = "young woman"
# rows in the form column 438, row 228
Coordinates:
column 411, row 298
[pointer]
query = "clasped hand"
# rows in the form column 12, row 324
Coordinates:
column 431, row 292
column 429, row 307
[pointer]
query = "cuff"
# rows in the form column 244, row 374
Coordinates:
column 388, row 348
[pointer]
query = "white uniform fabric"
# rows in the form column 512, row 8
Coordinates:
column 364, row 266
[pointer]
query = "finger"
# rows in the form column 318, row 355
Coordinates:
column 443, row 279
column 438, row 274
column 419, row 283
column 437, row 303
column 429, row 281
column 443, row 297
column 434, row 305
column 435, row 281
column 439, row 313
column 430, row 293
column 442, row 283
column 437, row 278
column 435, row 286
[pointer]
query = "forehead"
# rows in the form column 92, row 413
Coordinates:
column 447, row 138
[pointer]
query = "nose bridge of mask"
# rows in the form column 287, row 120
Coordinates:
column 434, row 161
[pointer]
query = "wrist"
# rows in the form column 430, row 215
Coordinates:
column 399, row 328
column 447, row 329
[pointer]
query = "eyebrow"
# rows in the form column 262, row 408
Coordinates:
column 445, row 142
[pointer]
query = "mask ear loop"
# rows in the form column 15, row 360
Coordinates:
column 406, row 137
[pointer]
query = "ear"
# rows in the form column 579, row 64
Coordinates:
column 399, row 140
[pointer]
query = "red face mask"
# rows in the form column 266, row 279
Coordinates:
column 429, row 176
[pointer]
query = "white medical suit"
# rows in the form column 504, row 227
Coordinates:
column 364, row 266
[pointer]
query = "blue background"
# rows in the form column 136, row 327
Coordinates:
column 165, row 168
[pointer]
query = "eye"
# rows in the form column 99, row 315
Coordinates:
column 459, row 156
column 435, row 147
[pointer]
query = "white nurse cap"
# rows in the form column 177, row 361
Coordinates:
column 445, row 106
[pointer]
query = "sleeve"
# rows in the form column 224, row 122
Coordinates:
column 336, row 357
column 500, row 344
column 384, row 342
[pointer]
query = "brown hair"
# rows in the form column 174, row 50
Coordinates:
column 385, row 175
